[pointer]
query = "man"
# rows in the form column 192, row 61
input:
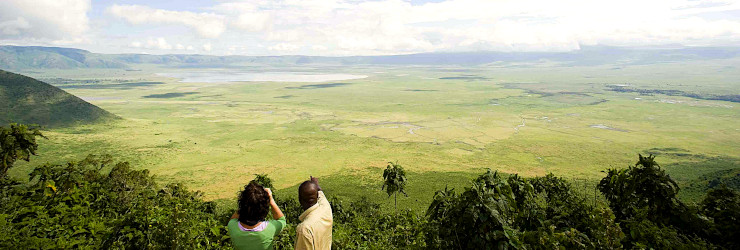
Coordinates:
column 314, row 232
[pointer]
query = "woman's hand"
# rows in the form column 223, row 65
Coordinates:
column 269, row 193
column 276, row 213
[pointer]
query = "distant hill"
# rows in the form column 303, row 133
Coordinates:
column 34, row 57
column 20, row 57
column 29, row 101
column 587, row 55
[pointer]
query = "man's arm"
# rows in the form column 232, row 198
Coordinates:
column 322, row 198
column 316, row 181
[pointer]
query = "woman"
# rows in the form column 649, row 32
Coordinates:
column 247, row 227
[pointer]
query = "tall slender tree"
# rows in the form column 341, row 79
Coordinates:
column 394, row 181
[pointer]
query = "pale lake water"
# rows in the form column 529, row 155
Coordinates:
column 230, row 76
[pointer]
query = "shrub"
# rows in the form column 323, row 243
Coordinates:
column 722, row 205
column 17, row 142
column 77, row 206
column 644, row 200
column 514, row 212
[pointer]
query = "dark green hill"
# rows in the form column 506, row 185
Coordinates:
column 27, row 100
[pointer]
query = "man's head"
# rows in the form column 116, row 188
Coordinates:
column 308, row 194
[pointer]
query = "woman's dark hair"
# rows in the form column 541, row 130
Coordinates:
column 254, row 203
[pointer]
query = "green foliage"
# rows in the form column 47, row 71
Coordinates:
column 722, row 205
column 263, row 180
column 394, row 181
column 644, row 200
column 554, row 212
column 362, row 224
column 479, row 218
column 16, row 142
column 76, row 205
column 514, row 212
column 642, row 233
column 643, row 186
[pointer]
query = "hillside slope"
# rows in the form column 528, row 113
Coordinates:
column 27, row 100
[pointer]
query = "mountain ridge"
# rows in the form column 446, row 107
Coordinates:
column 38, row 57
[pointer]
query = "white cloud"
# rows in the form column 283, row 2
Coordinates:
column 206, row 24
column 14, row 27
column 159, row 43
column 319, row 48
column 284, row 47
column 44, row 20
column 253, row 21
column 394, row 26
column 356, row 27
column 136, row 44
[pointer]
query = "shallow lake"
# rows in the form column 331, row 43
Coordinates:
column 231, row 76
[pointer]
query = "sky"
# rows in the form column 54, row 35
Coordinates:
column 356, row 27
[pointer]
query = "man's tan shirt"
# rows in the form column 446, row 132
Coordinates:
column 314, row 232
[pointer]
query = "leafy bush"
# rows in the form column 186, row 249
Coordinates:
column 498, row 212
column 77, row 206
column 263, row 180
column 643, row 197
column 362, row 224
column 17, row 142
column 722, row 205
column 643, row 186
column 479, row 218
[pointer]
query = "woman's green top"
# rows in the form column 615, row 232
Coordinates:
column 259, row 237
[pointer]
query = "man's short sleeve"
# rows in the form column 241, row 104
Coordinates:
column 304, row 239
column 279, row 224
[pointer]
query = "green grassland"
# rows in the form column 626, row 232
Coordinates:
column 443, row 124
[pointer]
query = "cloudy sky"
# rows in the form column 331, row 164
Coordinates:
column 356, row 27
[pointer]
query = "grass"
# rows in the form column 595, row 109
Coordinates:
column 216, row 137
column 420, row 187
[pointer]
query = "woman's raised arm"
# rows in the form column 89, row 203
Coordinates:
column 276, row 213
